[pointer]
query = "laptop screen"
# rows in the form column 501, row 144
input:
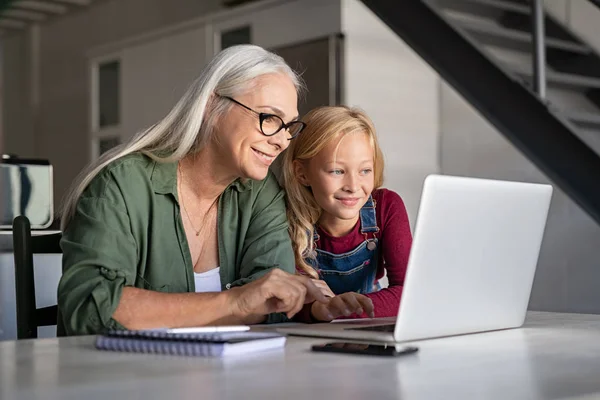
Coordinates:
column 26, row 189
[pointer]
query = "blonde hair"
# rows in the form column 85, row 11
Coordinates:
column 323, row 125
column 189, row 126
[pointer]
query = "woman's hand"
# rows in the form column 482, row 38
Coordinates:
column 324, row 287
column 343, row 304
column 277, row 291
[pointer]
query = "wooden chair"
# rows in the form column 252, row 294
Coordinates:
column 29, row 317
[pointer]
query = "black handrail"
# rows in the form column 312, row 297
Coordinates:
column 515, row 111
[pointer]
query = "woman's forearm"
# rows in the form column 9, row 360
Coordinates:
column 143, row 309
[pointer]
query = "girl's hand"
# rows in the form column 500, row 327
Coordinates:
column 344, row 304
column 322, row 285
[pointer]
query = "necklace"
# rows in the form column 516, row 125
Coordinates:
column 197, row 232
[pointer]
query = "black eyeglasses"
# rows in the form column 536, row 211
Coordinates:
column 270, row 124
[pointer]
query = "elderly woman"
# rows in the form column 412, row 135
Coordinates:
column 158, row 227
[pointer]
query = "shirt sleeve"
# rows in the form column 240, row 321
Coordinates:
column 267, row 243
column 396, row 241
column 99, row 259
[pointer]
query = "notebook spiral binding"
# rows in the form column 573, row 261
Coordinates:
column 159, row 334
column 157, row 345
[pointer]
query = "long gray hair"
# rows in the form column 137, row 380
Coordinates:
column 188, row 127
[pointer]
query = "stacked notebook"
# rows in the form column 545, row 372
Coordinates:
column 188, row 342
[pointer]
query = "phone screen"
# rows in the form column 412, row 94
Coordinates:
column 391, row 350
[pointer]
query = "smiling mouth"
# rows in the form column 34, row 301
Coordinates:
column 265, row 158
column 348, row 201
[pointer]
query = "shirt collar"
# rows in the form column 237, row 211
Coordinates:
column 164, row 178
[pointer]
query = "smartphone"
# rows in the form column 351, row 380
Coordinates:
column 390, row 350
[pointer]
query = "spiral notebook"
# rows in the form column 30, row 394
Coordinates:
column 189, row 343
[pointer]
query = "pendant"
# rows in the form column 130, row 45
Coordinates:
column 371, row 245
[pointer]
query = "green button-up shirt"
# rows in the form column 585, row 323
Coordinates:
column 127, row 231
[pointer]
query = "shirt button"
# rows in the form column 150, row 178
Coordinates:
column 109, row 273
column 228, row 286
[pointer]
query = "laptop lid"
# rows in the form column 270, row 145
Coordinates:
column 473, row 257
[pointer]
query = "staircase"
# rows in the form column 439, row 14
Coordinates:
column 16, row 15
column 503, row 30
column 484, row 49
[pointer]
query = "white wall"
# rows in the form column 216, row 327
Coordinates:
column 569, row 267
column 401, row 94
column 581, row 16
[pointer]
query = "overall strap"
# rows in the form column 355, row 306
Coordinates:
column 315, row 234
column 368, row 217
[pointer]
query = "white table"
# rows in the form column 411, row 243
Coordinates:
column 554, row 356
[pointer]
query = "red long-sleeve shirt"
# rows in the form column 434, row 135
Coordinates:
column 395, row 240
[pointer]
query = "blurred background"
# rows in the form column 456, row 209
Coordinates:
column 505, row 89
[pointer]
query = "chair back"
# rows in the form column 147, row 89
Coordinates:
column 29, row 317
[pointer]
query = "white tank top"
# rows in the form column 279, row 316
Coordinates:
column 209, row 281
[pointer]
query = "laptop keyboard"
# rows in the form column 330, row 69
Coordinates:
column 378, row 328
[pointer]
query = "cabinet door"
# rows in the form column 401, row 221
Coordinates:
column 319, row 63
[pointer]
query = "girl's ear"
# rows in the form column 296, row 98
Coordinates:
column 300, row 172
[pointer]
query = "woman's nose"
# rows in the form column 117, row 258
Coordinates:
column 279, row 140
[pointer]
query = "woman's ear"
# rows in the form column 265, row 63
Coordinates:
column 300, row 172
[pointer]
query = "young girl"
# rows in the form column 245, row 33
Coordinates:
column 345, row 229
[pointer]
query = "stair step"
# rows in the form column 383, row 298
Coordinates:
column 494, row 35
column 573, row 81
column 560, row 79
column 583, row 119
column 519, row 2
column 482, row 7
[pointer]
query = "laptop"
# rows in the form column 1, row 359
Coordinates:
column 471, row 265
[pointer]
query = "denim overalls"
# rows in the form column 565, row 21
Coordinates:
column 355, row 270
